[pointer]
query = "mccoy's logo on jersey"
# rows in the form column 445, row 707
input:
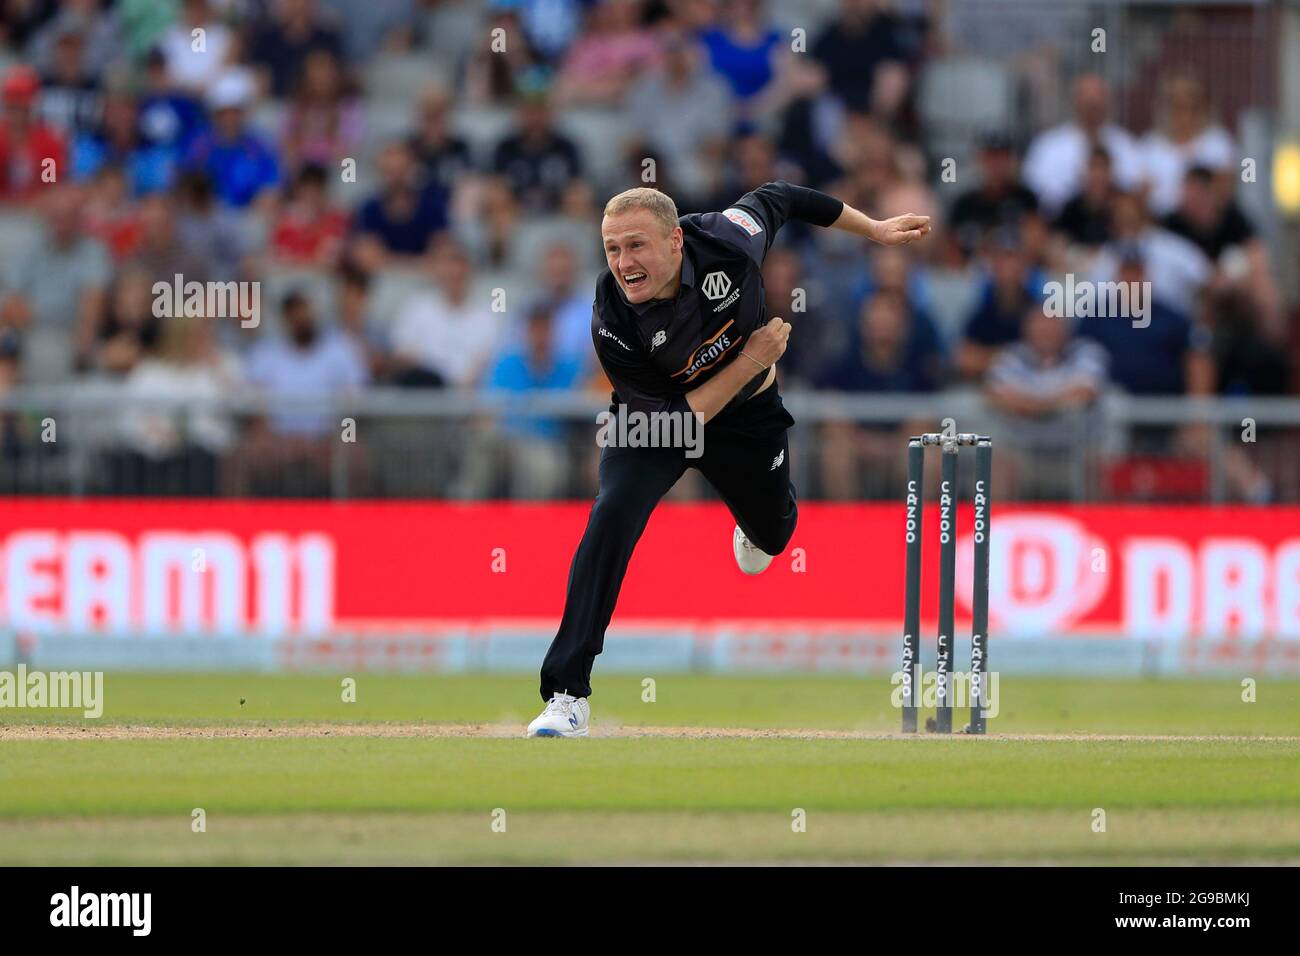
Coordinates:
column 715, row 285
column 707, row 354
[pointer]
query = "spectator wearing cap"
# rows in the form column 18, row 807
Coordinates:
column 394, row 227
column 695, row 97
column 1011, row 285
column 1187, row 136
column 607, row 57
column 282, row 44
column 323, row 123
column 532, row 446
column 239, row 162
column 56, row 288
column 1177, row 269
column 1000, row 199
column 536, row 160
column 445, row 336
column 1058, row 157
column 28, row 148
column 196, row 69
column 1045, row 387
column 884, row 355
column 70, row 100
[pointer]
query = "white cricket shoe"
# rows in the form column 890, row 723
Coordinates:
column 750, row 559
column 564, row 716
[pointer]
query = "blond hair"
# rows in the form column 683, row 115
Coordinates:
column 660, row 205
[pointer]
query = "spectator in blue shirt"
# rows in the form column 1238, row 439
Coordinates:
column 1168, row 356
column 393, row 227
column 530, row 447
column 886, row 356
column 894, row 270
column 1011, row 286
column 743, row 49
column 239, row 162
column 537, row 365
column 169, row 118
column 300, row 375
column 889, row 353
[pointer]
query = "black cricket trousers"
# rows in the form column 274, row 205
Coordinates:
column 745, row 457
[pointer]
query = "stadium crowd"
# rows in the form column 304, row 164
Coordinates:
column 417, row 187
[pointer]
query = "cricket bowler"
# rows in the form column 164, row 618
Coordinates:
column 680, row 326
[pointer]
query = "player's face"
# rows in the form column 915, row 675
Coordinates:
column 645, row 261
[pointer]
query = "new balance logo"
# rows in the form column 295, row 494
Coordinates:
column 660, row 338
column 776, row 462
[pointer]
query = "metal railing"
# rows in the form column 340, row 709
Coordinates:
column 85, row 439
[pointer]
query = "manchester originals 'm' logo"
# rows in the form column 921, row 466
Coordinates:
column 715, row 285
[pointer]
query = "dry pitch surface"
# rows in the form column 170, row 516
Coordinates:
column 418, row 770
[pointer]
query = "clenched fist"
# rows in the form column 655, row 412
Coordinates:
column 900, row 229
column 768, row 344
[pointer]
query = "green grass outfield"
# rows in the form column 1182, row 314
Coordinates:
column 295, row 775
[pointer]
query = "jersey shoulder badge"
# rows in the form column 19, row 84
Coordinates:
column 744, row 220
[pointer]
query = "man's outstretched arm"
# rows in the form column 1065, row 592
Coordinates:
column 774, row 204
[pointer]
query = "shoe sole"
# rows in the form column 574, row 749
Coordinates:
column 557, row 733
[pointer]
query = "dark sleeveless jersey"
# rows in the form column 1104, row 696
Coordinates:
column 655, row 352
